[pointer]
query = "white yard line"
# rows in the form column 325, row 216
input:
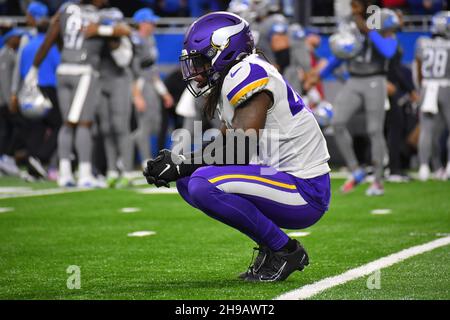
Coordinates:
column 311, row 290
column 381, row 211
column 43, row 192
column 130, row 210
column 142, row 234
column 298, row 234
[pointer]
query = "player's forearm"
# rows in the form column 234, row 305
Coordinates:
column 120, row 30
column 50, row 39
column 160, row 87
column 333, row 63
column 386, row 46
column 137, row 86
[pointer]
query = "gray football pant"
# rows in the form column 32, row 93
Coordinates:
column 114, row 113
column 431, row 129
column 148, row 121
column 77, row 92
column 369, row 93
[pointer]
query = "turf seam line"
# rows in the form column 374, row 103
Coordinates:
column 315, row 288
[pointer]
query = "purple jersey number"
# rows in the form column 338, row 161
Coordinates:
column 295, row 101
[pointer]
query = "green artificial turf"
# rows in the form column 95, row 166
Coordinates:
column 195, row 257
column 15, row 182
column 421, row 277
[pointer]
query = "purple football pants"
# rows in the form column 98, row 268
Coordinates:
column 257, row 205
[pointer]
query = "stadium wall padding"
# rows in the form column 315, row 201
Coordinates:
column 170, row 46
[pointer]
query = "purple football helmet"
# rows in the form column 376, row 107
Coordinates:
column 212, row 43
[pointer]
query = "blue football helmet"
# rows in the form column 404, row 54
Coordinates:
column 323, row 113
column 346, row 43
column 389, row 20
column 440, row 24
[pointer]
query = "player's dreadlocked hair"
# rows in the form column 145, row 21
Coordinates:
column 213, row 97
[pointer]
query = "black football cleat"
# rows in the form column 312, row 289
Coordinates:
column 256, row 263
column 36, row 169
column 278, row 265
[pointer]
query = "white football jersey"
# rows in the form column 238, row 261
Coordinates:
column 292, row 141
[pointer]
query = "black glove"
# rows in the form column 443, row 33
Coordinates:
column 162, row 170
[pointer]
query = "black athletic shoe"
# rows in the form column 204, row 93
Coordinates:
column 257, row 262
column 278, row 265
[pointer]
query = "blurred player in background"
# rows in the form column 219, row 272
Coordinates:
column 299, row 60
column 367, row 61
column 77, row 26
column 433, row 70
column 148, row 88
column 272, row 29
column 10, row 122
column 282, row 43
column 41, row 132
column 247, row 10
column 260, row 196
column 115, row 104
column 401, row 116
column 36, row 12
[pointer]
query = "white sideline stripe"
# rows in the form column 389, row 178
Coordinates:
column 310, row 290
column 44, row 192
column 14, row 189
column 157, row 191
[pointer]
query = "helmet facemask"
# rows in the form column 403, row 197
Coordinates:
column 194, row 65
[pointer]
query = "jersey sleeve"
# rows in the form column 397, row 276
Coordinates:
column 243, row 81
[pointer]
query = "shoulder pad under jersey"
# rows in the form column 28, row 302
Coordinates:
column 244, row 80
